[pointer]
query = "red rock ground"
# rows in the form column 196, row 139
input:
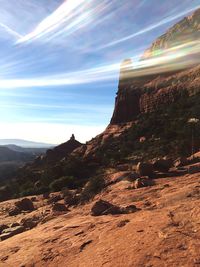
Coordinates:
column 166, row 232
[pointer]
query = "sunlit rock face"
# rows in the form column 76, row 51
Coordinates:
column 185, row 31
column 161, row 83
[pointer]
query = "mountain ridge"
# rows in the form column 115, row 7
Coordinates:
column 24, row 143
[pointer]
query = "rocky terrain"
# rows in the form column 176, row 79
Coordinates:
column 156, row 225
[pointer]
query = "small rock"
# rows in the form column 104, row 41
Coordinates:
column 14, row 211
column 5, row 236
column 54, row 199
column 14, row 230
column 102, row 207
column 122, row 223
column 129, row 209
column 162, row 165
column 142, row 182
column 29, row 223
column 194, row 168
column 59, row 207
column 73, row 200
column 14, row 225
column 34, row 199
column 25, row 205
column 182, row 161
column 3, row 227
column 145, row 169
column 82, row 247
column 9, row 232
column 46, row 195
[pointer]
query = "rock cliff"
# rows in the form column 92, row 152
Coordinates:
column 148, row 88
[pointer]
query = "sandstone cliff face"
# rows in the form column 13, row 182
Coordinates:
column 151, row 95
column 150, row 91
column 186, row 30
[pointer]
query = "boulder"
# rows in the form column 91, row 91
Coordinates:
column 145, row 169
column 25, row 205
column 194, row 168
column 162, row 165
column 182, row 161
column 143, row 182
column 34, row 199
column 54, row 199
column 46, row 195
column 59, row 207
column 3, row 227
column 129, row 209
column 14, row 211
column 15, row 224
column 5, row 236
column 102, row 207
column 14, row 230
column 133, row 176
column 72, row 200
column 29, row 223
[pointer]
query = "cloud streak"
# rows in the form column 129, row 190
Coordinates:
column 149, row 28
column 10, row 31
column 69, row 17
column 176, row 57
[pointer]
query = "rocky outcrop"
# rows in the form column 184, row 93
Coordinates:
column 58, row 153
column 102, row 207
column 153, row 94
column 147, row 88
column 187, row 30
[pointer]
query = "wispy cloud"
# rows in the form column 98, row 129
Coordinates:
column 149, row 28
column 71, row 16
column 10, row 31
column 176, row 57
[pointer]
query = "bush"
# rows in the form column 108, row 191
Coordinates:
column 94, row 186
column 63, row 182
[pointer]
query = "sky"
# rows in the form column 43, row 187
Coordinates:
column 59, row 61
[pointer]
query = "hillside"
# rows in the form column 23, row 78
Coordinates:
column 7, row 154
column 164, row 232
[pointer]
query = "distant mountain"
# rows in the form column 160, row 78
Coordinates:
column 24, row 143
column 12, row 157
column 31, row 150
column 6, row 154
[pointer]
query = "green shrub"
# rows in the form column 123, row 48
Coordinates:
column 65, row 181
column 93, row 187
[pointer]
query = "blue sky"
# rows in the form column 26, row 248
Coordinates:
column 59, row 61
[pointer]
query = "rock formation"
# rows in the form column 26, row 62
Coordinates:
column 187, row 30
column 149, row 88
column 58, row 152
